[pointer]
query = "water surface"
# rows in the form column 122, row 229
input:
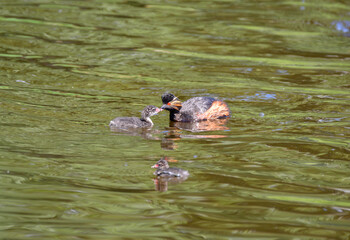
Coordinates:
column 277, row 169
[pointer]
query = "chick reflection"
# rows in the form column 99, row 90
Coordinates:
column 143, row 132
column 166, row 174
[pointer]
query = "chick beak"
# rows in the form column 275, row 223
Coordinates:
column 155, row 166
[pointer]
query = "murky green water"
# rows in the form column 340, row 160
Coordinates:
column 278, row 169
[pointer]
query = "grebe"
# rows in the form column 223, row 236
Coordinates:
column 195, row 109
column 163, row 170
column 135, row 122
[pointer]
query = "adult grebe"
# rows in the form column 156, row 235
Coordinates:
column 195, row 109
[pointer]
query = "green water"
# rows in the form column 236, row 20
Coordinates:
column 278, row 169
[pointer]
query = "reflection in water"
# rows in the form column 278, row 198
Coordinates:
column 139, row 132
column 166, row 174
column 175, row 132
column 209, row 125
column 161, row 183
column 343, row 26
column 169, row 143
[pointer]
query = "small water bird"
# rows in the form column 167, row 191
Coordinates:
column 163, row 170
column 135, row 122
column 195, row 109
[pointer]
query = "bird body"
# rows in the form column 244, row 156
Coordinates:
column 135, row 122
column 163, row 170
column 195, row 109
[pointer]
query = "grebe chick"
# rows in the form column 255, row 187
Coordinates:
column 135, row 122
column 163, row 170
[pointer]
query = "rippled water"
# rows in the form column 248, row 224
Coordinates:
column 278, row 169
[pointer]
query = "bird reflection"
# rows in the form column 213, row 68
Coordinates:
column 209, row 125
column 167, row 175
column 142, row 132
column 176, row 132
column 161, row 183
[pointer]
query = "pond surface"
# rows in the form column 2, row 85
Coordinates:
column 277, row 169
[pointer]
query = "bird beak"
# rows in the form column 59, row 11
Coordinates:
column 155, row 166
column 174, row 104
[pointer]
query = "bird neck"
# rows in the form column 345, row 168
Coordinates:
column 147, row 119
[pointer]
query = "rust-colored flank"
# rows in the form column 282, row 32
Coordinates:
column 217, row 110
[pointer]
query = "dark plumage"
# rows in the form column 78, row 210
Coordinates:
column 135, row 122
column 163, row 170
column 195, row 109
